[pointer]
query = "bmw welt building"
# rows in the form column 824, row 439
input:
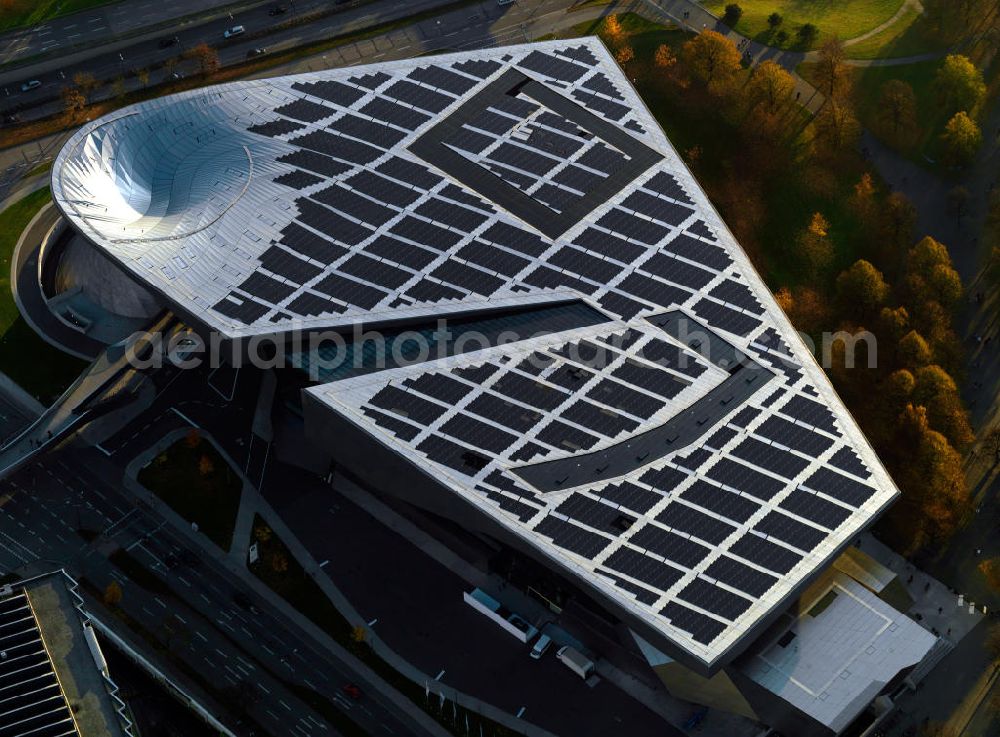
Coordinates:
column 656, row 435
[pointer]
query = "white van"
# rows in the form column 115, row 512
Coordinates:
column 541, row 645
column 576, row 661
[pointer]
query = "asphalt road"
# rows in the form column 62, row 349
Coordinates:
column 418, row 610
column 192, row 608
column 96, row 26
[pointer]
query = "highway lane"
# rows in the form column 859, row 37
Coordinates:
column 101, row 24
column 476, row 21
column 40, row 512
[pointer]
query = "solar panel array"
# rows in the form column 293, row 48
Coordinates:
column 715, row 467
column 31, row 699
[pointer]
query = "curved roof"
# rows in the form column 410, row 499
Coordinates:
column 685, row 457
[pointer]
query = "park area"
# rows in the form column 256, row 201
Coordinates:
column 841, row 18
column 40, row 369
column 193, row 478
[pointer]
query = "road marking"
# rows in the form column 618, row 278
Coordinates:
column 438, row 676
column 203, row 638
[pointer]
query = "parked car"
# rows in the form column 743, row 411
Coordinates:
column 542, row 644
column 34, row 84
column 351, row 690
column 166, row 43
column 277, row 10
column 234, row 31
column 259, row 51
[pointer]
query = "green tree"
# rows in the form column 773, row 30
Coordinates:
column 897, row 114
column 960, row 84
column 862, row 287
column 774, row 20
column 807, row 34
column 961, row 139
column 711, row 57
column 732, row 15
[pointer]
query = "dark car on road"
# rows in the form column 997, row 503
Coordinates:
column 277, row 10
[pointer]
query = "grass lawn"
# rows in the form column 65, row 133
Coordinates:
column 843, row 18
column 15, row 13
column 908, row 36
column 193, row 478
column 40, row 369
column 284, row 575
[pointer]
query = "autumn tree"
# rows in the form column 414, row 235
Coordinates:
column 896, row 115
column 612, row 29
column 992, row 441
column 959, row 84
column 832, row 76
column 990, row 568
column 665, row 58
column 711, row 57
column 805, row 307
column 814, row 251
column 113, row 594
column 771, row 87
column 624, row 55
column 896, row 223
column 913, row 351
column 930, row 275
column 899, row 388
column 937, row 391
column 86, row 82
column 118, row 87
column 836, row 127
column 206, row 56
column 143, row 76
column 74, row 103
column 961, row 139
column 192, row 438
column 862, row 287
column 205, row 465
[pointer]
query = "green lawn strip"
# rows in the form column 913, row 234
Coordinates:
column 842, row 18
column 19, row 13
column 41, row 370
column 13, row 221
column 282, row 573
column 908, row 36
column 195, row 480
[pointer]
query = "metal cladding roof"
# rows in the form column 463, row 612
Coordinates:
column 684, row 453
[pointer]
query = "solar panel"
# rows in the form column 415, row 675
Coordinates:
column 405, row 117
column 439, row 386
column 617, row 395
column 698, row 251
column 406, row 254
column 677, row 271
column 641, row 594
column 608, row 108
column 328, row 89
column 339, row 147
column 764, row 553
column 409, row 172
column 418, row 96
column 664, row 184
column 305, row 110
column 725, row 318
column 284, row 263
column 771, row 458
column 360, row 208
column 552, row 66
column 815, row 508
column 701, row 628
column 838, row 486
column 592, row 513
column 737, row 294
column 275, row 128
column 811, row 413
column 315, row 162
column 720, row 501
column 793, row 436
column 695, row 523
column 407, row 405
column 506, row 413
column 450, row 214
column 372, row 131
column 456, row 84
column 427, row 290
column 741, row 576
column 479, row 434
column 641, row 567
column 297, row 179
column 670, row 545
column 714, row 599
column 402, row 430
column 789, row 530
column 631, row 496
column 467, row 277
column 566, row 437
column 582, row 263
column 600, row 420
column 847, row 460
column 571, row 537
column 492, row 258
column 745, row 479
column 350, row 291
